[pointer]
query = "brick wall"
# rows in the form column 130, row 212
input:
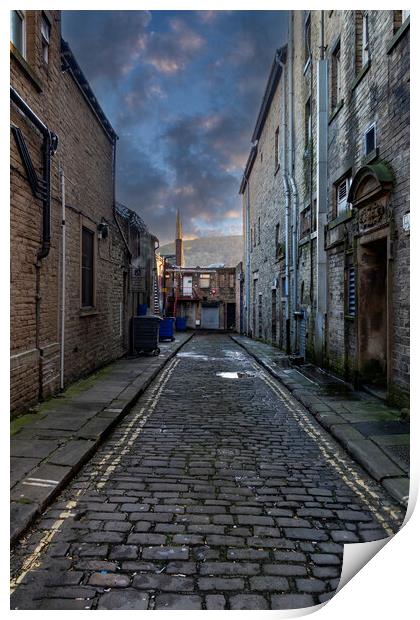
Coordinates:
column 85, row 155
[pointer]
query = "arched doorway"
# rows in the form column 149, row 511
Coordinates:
column 370, row 194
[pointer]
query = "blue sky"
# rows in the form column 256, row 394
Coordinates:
column 182, row 89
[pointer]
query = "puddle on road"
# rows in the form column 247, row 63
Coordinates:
column 197, row 356
column 236, row 355
column 236, row 375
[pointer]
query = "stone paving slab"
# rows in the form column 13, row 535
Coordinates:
column 72, row 452
column 19, row 467
column 369, row 430
column 49, row 450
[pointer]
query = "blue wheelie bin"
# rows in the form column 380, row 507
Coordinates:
column 181, row 323
column 166, row 328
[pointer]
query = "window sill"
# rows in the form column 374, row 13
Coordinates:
column 304, row 240
column 398, row 35
column 360, row 75
column 350, row 317
column 335, row 111
column 29, row 72
column 88, row 312
column 343, row 217
column 370, row 157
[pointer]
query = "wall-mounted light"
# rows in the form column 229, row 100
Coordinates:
column 102, row 230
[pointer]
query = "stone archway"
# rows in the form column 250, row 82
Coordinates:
column 370, row 194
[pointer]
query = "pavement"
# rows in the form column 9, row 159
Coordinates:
column 48, row 446
column 372, row 432
column 218, row 490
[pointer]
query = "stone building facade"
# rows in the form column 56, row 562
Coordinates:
column 69, row 258
column 344, row 210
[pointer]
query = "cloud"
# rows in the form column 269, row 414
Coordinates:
column 182, row 90
column 107, row 42
column 170, row 52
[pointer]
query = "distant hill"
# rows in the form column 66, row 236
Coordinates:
column 205, row 251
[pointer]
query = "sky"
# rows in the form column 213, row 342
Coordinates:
column 182, row 89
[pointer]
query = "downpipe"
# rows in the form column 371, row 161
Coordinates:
column 49, row 147
column 295, row 256
column 286, row 251
column 63, row 275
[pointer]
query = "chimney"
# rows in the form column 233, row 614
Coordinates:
column 179, row 250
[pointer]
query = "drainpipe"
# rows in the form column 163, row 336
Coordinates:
column 286, row 251
column 322, row 204
column 287, row 203
column 295, row 256
column 114, row 202
column 248, row 261
column 49, row 147
column 290, row 168
column 63, row 275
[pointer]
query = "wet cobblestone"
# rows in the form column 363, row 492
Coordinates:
column 209, row 495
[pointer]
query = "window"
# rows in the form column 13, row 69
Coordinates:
column 365, row 39
column 341, row 194
column 88, row 260
column 205, row 280
column 307, row 40
column 222, row 280
column 276, row 149
column 252, row 239
column 336, row 77
column 305, row 222
column 370, row 139
column 17, row 31
column 308, row 123
column 362, row 40
column 45, row 35
column 277, row 238
column 259, row 231
column 231, row 280
column 255, row 236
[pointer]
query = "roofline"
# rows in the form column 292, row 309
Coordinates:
column 70, row 63
column 273, row 79
column 248, row 167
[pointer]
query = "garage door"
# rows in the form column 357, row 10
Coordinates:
column 210, row 318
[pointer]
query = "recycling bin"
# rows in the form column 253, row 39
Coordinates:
column 181, row 323
column 166, row 328
column 145, row 334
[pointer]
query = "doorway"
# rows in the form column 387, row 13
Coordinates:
column 373, row 312
column 230, row 316
column 274, row 316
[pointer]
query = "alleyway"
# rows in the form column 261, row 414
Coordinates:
column 215, row 492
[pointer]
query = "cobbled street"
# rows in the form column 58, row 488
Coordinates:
column 217, row 491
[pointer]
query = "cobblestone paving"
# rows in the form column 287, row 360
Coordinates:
column 215, row 492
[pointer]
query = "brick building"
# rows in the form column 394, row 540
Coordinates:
column 69, row 257
column 205, row 296
column 335, row 122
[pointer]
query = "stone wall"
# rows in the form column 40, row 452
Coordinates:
column 376, row 93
